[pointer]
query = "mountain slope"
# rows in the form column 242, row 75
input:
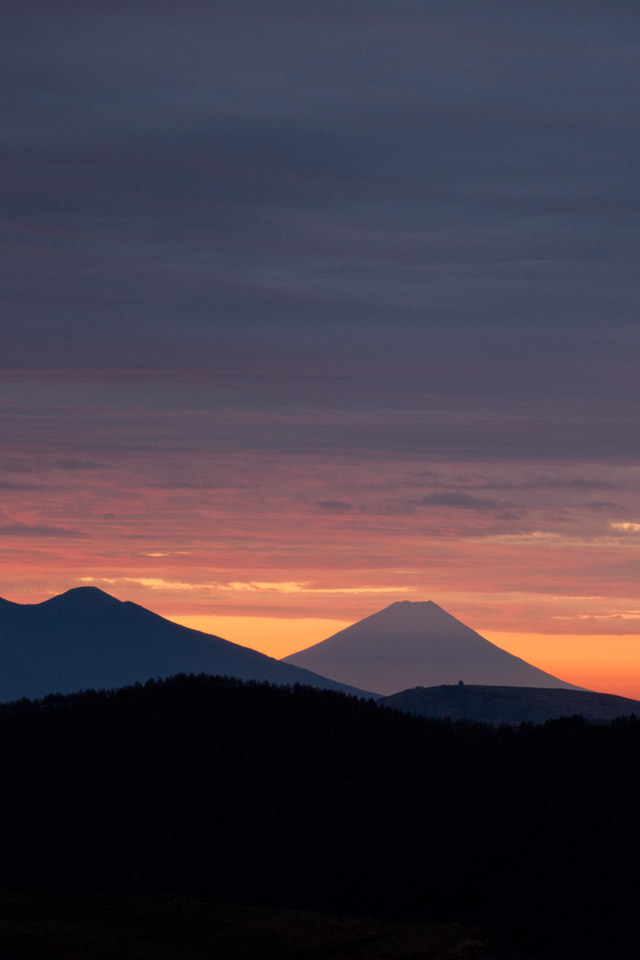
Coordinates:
column 410, row 644
column 86, row 638
column 510, row 704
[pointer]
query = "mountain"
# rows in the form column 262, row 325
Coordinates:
column 86, row 638
column 510, row 704
column 409, row 644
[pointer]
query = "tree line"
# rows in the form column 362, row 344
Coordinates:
column 297, row 797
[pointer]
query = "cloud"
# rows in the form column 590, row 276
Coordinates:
column 154, row 583
column 10, row 485
column 283, row 587
column 334, row 506
column 633, row 615
column 36, row 530
column 296, row 587
column 16, row 465
column 578, row 483
column 462, row 501
column 538, row 538
column 304, row 198
column 198, row 485
column 73, row 465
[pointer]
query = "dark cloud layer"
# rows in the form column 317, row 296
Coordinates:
column 430, row 209
column 37, row 531
column 324, row 293
column 463, row 501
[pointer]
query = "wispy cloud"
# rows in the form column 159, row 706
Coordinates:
column 74, row 465
column 615, row 615
column 462, row 501
column 284, row 587
column 10, row 485
column 37, row 530
column 334, row 506
column 295, row 587
column 575, row 483
column 153, row 583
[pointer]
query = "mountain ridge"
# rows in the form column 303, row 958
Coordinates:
column 412, row 643
column 86, row 638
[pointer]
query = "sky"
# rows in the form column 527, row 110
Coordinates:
column 312, row 307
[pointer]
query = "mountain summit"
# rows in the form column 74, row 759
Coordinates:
column 86, row 638
column 412, row 644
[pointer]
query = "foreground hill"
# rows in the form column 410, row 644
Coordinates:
column 409, row 644
column 67, row 927
column 510, row 704
column 86, row 638
column 298, row 798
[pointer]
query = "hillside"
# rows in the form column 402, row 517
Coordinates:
column 86, row 638
column 165, row 927
column 510, row 704
column 306, row 799
column 417, row 644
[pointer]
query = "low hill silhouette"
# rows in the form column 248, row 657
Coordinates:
column 166, row 927
column 86, row 638
column 409, row 644
column 495, row 705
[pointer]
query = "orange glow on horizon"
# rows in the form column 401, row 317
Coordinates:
column 271, row 635
column 279, row 553
column 607, row 663
column 604, row 663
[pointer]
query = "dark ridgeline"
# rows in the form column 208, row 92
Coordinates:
column 85, row 638
column 489, row 704
column 305, row 798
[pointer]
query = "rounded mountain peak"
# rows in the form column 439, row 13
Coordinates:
column 81, row 599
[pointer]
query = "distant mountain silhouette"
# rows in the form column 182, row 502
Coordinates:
column 408, row 644
column 85, row 638
column 510, row 704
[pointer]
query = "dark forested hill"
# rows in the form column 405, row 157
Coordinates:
column 295, row 797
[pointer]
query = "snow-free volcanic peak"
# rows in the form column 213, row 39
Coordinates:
column 410, row 644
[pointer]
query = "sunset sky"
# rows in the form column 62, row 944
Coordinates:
column 312, row 307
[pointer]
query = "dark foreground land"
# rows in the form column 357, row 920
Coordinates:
column 307, row 800
column 497, row 705
column 64, row 927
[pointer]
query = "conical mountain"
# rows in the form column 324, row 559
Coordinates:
column 417, row 644
column 86, row 639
